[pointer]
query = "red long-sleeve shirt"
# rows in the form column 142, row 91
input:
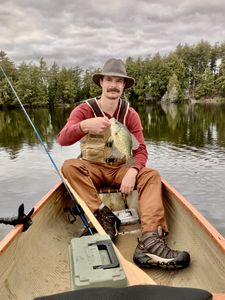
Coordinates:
column 71, row 133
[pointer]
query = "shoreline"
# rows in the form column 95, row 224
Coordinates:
column 215, row 100
column 191, row 101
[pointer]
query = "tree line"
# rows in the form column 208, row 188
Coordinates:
column 189, row 72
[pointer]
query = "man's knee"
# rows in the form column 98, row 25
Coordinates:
column 67, row 166
column 151, row 172
column 73, row 166
column 155, row 173
column 149, row 175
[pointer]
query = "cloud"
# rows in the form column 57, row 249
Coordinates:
column 85, row 33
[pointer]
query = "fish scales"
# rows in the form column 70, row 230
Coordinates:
column 122, row 140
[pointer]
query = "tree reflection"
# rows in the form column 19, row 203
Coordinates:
column 16, row 131
column 182, row 124
column 195, row 125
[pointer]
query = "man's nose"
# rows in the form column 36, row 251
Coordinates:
column 113, row 83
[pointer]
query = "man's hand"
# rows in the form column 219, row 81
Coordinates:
column 129, row 181
column 94, row 125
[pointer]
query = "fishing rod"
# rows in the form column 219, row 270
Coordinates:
column 77, row 207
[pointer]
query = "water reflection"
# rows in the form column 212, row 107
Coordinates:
column 191, row 125
column 16, row 131
column 195, row 125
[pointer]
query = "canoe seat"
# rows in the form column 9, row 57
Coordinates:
column 108, row 189
column 138, row 292
column 112, row 197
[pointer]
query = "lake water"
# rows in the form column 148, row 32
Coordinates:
column 186, row 143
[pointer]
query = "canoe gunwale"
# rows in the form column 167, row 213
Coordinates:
column 18, row 229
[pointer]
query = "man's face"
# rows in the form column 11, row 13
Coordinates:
column 112, row 86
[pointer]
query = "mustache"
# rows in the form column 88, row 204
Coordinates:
column 113, row 90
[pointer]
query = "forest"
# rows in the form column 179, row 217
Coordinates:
column 189, row 72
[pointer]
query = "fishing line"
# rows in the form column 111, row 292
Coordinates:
column 82, row 216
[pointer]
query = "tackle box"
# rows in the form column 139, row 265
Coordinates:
column 94, row 263
column 127, row 216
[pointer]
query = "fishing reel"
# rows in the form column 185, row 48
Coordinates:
column 73, row 212
column 22, row 218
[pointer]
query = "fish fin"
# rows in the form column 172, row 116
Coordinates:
column 135, row 143
column 114, row 150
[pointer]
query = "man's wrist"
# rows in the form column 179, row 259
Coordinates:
column 83, row 127
column 135, row 169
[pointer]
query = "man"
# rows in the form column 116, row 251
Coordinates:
column 89, row 123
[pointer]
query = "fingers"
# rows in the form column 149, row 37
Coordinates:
column 102, row 124
column 106, row 119
column 125, row 190
column 105, row 122
column 97, row 125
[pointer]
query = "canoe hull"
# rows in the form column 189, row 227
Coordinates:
column 35, row 263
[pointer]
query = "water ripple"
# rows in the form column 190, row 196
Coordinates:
column 197, row 173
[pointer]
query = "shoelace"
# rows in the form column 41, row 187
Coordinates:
column 108, row 219
column 105, row 218
column 157, row 245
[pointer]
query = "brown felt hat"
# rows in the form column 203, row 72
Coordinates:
column 114, row 67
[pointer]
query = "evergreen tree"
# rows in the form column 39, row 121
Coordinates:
column 24, row 84
column 6, row 95
column 70, row 83
column 173, row 89
column 221, row 79
column 159, row 77
column 206, row 85
column 177, row 66
column 53, row 85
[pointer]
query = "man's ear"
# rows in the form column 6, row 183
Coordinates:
column 100, row 81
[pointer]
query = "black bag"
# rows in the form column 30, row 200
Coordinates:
column 138, row 292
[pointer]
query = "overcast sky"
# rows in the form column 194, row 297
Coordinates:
column 87, row 32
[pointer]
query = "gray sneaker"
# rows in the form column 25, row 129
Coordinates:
column 152, row 251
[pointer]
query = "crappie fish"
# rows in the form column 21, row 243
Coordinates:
column 123, row 142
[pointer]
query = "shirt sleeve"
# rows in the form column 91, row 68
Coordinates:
column 134, row 125
column 71, row 133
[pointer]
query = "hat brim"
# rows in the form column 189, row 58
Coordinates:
column 129, row 81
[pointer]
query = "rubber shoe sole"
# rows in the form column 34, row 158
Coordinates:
column 148, row 260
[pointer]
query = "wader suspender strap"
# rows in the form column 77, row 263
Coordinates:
column 95, row 108
column 98, row 113
column 123, row 111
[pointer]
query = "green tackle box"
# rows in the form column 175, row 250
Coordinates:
column 93, row 263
